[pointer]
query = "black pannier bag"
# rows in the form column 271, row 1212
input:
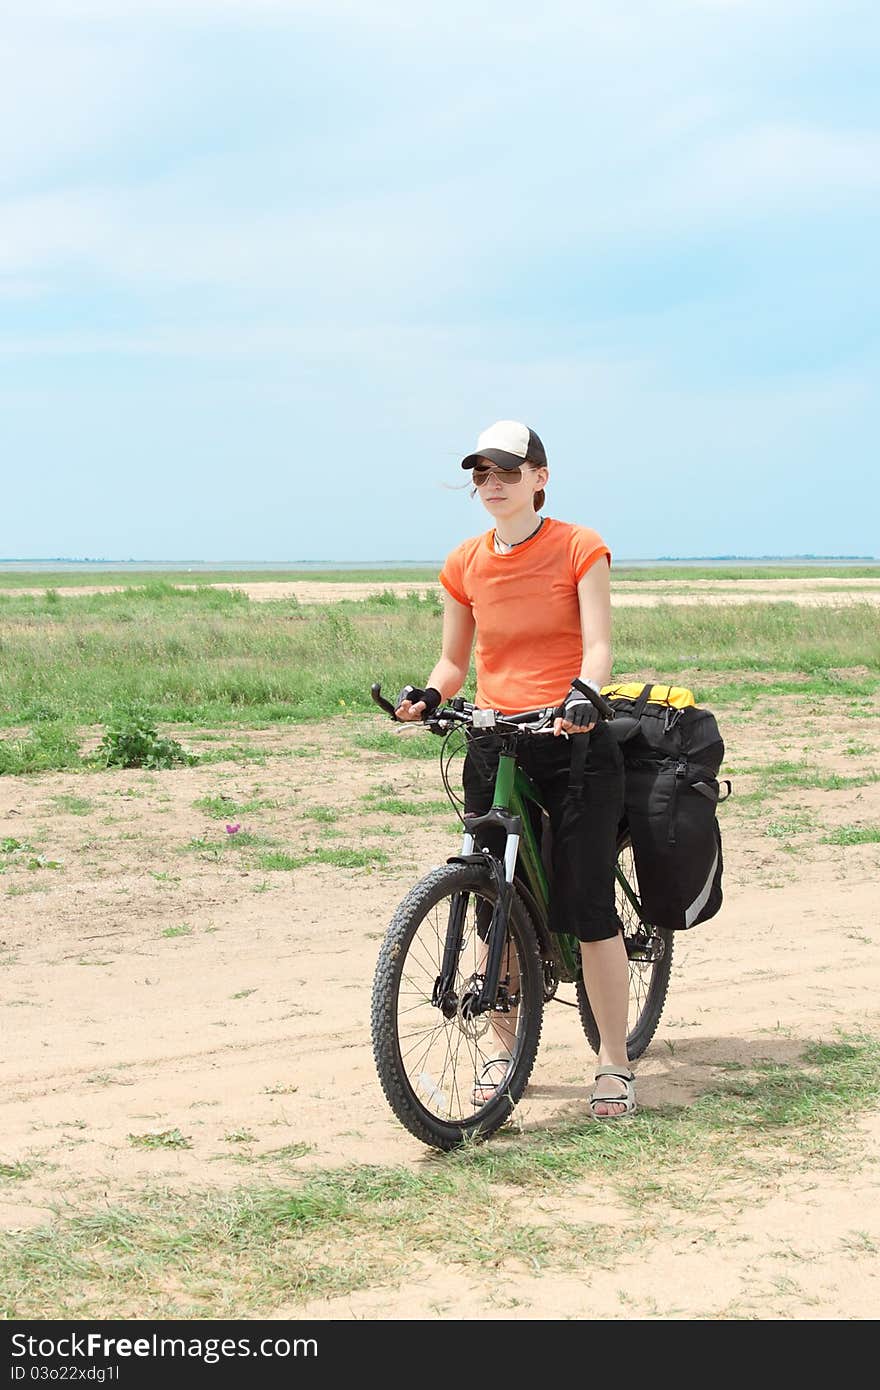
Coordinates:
column 672, row 754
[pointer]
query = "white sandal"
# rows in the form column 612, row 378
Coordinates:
column 606, row 1097
column 483, row 1083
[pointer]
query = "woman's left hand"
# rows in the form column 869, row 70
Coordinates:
column 564, row 726
column 576, row 715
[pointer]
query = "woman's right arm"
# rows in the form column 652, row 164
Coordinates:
column 450, row 673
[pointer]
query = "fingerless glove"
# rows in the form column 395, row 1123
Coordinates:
column 432, row 698
column 576, row 708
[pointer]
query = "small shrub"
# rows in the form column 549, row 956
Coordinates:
column 132, row 739
column 161, row 1139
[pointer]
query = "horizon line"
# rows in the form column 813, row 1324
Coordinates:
column 642, row 559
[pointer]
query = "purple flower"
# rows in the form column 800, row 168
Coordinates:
column 233, row 829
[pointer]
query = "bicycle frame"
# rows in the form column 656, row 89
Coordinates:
column 523, row 863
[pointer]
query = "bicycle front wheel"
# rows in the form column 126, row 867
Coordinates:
column 431, row 1051
column 649, row 953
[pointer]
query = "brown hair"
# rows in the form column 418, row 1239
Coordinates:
column 539, row 496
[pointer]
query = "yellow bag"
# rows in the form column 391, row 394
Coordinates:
column 675, row 696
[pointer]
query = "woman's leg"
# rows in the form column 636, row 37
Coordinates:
column 585, row 809
column 606, row 976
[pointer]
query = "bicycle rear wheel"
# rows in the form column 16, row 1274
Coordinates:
column 430, row 1052
column 649, row 950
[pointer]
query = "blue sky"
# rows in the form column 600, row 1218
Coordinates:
column 267, row 267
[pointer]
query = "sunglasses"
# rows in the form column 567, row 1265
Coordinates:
column 506, row 475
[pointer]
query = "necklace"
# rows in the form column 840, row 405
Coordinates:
column 511, row 545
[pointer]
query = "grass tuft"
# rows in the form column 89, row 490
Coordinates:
column 853, row 835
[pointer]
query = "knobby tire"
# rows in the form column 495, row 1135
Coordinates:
column 427, row 1063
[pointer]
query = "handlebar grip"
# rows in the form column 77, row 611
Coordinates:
column 379, row 699
column 605, row 708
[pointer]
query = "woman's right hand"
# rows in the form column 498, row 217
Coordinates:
column 414, row 704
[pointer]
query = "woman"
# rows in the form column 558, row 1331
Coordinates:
column 537, row 599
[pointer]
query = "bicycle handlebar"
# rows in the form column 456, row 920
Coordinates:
column 462, row 712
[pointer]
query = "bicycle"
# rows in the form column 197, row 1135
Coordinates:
column 469, row 959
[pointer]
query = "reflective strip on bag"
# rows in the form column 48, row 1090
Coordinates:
column 699, row 902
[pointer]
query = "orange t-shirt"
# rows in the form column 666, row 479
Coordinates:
column 526, row 610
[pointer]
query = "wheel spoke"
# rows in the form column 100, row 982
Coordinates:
column 429, row 1058
column 458, row 1052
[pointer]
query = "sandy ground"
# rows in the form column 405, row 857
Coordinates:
column 151, row 985
column 809, row 591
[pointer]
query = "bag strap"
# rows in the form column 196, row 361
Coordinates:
column 642, row 700
column 707, row 791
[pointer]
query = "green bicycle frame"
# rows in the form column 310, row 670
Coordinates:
column 514, row 789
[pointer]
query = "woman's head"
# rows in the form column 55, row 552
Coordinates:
column 509, row 468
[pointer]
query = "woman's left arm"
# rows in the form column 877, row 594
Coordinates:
column 594, row 600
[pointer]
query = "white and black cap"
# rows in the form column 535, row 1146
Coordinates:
column 507, row 444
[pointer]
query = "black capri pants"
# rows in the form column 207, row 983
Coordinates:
column 585, row 812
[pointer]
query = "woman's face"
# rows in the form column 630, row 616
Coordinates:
column 503, row 491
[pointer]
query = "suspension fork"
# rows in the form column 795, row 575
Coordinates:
column 503, row 873
column 452, row 945
column 496, row 935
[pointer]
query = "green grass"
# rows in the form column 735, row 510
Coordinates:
column 221, row 807
column 666, row 572
column 161, row 1139
column 241, row 840
column 776, row 778
column 402, row 743
column 48, row 746
column 828, row 689
column 73, row 805
column 152, row 579
column 131, row 578
column 397, row 806
column 15, row 1172
column 256, row 1249
column 20, row 853
column 210, row 659
column 781, row 829
column 853, row 835
column 338, row 858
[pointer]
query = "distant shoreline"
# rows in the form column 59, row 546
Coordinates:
column 200, row 566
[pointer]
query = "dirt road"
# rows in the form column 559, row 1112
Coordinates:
column 154, row 983
column 625, row 593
